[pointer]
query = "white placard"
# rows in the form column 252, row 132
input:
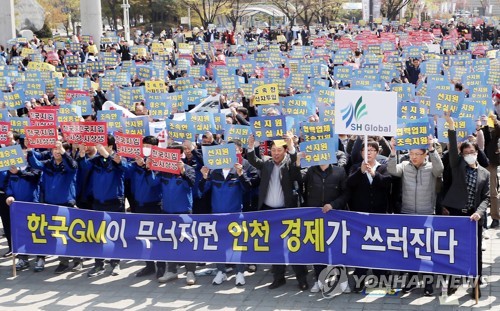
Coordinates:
column 366, row 112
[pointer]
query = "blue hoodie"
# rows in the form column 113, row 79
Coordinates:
column 59, row 180
column 24, row 185
column 177, row 191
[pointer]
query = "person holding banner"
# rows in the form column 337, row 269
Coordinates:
column 468, row 194
column 325, row 187
column 177, row 194
column 107, row 178
column 83, row 181
column 59, row 187
column 418, row 178
column 278, row 175
column 23, row 185
column 146, row 196
column 369, row 185
column 228, row 187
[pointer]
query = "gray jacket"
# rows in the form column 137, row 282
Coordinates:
column 419, row 184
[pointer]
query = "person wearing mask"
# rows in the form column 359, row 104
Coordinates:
column 177, row 194
column 418, row 179
column 276, row 190
column 468, row 194
column 146, row 196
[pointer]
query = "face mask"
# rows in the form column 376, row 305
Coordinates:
column 470, row 158
column 146, row 151
column 72, row 71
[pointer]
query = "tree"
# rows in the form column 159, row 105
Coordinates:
column 391, row 8
column 292, row 9
column 65, row 12
column 111, row 9
column 207, row 10
column 236, row 11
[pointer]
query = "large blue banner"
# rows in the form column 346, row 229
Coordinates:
column 434, row 244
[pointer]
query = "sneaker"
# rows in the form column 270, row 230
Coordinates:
column 219, row 278
column 115, row 270
column 190, row 278
column 167, row 277
column 240, row 279
column 428, row 291
column 95, row 271
column 409, row 288
column 61, row 269
column 40, row 265
column 22, row 264
column 318, row 286
column 77, row 266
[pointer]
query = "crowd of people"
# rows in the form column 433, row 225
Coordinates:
column 449, row 177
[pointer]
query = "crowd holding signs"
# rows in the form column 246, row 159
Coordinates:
column 351, row 119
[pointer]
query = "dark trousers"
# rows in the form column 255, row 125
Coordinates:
column 5, row 216
column 300, row 272
column 149, row 208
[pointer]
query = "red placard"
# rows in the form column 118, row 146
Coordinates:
column 70, row 94
column 4, row 130
column 128, row 145
column 86, row 133
column 165, row 160
column 40, row 136
column 43, row 117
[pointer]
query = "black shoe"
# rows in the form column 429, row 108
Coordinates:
column 358, row 288
column 95, row 271
column 145, row 271
column 277, row 283
column 61, row 269
column 160, row 271
column 473, row 294
column 452, row 289
column 428, row 291
column 494, row 224
column 303, row 285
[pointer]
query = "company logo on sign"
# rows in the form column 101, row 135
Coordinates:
column 359, row 111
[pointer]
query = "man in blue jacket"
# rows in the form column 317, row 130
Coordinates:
column 23, row 185
column 84, row 198
column 228, row 186
column 58, row 187
column 108, row 170
column 177, row 194
column 146, row 196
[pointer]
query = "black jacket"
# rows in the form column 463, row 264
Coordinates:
column 366, row 197
column 328, row 187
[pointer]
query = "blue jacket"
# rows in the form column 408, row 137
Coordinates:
column 177, row 191
column 144, row 189
column 227, row 193
column 107, row 179
column 196, row 162
column 4, row 179
column 24, row 186
column 83, row 179
column 59, row 180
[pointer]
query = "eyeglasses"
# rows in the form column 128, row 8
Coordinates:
column 416, row 154
column 372, row 151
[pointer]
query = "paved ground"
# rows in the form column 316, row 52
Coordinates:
column 74, row 291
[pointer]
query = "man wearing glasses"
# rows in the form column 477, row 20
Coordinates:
column 418, row 179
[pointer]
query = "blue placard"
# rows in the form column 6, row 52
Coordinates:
column 158, row 105
column 412, row 110
column 237, row 131
column 276, row 237
column 179, row 131
column 446, row 101
column 319, row 152
column 11, row 156
column 4, row 115
column 136, row 125
column 412, row 135
column 301, row 105
column 406, row 91
column 268, row 127
column 201, row 122
column 113, row 119
column 14, row 100
column 84, row 103
column 219, row 156
column 463, row 126
column 317, row 130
